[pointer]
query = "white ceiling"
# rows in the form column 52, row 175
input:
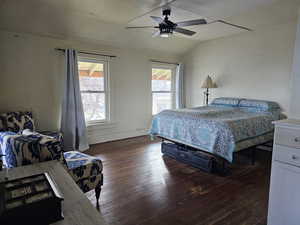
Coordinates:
column 104, row 21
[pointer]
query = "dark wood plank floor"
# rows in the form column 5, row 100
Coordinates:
column 141, row 188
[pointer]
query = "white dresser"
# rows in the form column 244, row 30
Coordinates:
column 284, row 198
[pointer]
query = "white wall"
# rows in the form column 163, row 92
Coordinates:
column 31, row 78
column 252, row 65
column 295, row 84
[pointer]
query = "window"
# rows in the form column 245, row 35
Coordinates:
column 163, row 87
column 93, row 79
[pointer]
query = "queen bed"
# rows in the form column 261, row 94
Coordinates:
column 225, row 126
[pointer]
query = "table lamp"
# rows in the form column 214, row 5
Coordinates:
column 208, row 83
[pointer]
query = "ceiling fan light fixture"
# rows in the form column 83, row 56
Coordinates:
column 165, row 35
column 165, row 31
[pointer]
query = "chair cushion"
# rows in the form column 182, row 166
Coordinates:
column 16, row 121
column 82, row 166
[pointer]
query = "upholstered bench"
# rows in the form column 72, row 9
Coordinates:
column 22, row 145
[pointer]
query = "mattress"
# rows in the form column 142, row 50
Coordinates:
column 225, row 126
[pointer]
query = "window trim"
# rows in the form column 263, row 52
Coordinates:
column 106, row 91
column 173, row 69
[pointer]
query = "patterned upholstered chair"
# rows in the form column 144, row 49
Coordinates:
column 22, row 145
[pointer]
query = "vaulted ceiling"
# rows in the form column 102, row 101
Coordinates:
column 104, row 21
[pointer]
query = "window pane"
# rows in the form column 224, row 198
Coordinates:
column 161, row 79
column 160, row 102
column 91, row 76
column 93, row 106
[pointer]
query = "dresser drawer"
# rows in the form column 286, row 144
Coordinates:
column 287, row 137
column 287, row 155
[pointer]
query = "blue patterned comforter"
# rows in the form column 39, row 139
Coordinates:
column 215, row 129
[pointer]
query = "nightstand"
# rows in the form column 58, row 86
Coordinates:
column 284, row 197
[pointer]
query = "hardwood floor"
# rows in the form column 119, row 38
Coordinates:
column 141, row 188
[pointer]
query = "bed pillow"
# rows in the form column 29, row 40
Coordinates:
column 226, row 101
column 259, row 105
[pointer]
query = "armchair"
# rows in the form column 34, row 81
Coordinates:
column 22, row 145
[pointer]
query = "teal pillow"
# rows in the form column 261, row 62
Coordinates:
column 226, row 101
column 259, row 105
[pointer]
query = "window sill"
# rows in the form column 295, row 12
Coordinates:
column 101, row 125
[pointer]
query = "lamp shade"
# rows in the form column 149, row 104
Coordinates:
column 208, row 83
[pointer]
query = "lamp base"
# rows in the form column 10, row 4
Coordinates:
column 206, row 93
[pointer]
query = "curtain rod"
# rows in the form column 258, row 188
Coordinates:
column 88, row 53
column 156, row 61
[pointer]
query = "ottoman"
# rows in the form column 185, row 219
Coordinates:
column 86, row 171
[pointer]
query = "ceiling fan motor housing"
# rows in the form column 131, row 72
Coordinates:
column 166, row 12
column 166, row 29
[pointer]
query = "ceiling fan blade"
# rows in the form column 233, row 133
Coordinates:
column 165, row 3
column 141, row 27
column 184, row 31
column 157, row 19
column 191, row 23
column 234, row 25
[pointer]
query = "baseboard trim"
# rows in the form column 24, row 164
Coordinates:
column 96, row 139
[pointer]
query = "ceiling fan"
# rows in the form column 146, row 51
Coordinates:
column 167, row 27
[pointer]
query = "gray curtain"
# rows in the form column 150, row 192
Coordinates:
column 180, row 86
column 73, row 124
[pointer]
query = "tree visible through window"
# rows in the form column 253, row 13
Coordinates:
column 92, row 78
column 162, row 87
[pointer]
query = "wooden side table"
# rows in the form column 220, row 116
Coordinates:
column 77, row 209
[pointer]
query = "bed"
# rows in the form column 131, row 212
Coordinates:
column 225, row 126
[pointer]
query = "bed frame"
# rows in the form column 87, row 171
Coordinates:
column 224, row 169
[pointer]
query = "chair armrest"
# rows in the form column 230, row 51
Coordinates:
column 54, row 145
column 50, row 149
column 19, row 150
column 7, row 147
